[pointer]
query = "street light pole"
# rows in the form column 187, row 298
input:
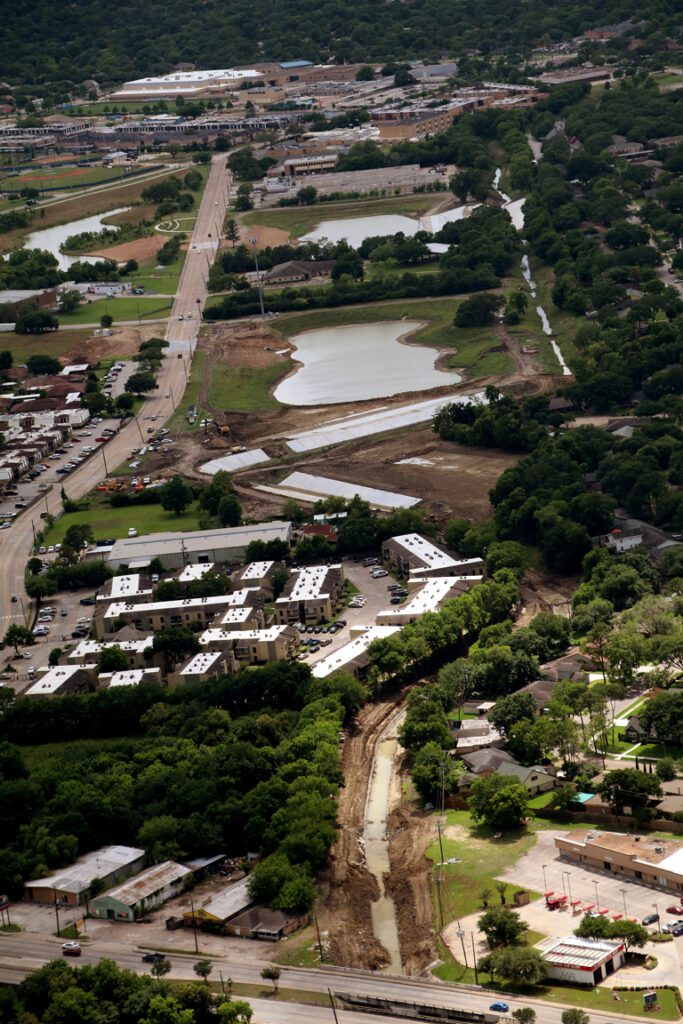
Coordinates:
column 254, row 242
column 597, row 898
column 194, row 925
column 568, row 873
column 474, row 957
column 104, row 460
column 56, row 911
column 545, row 883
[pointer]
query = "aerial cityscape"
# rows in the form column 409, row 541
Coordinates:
column 341, row 512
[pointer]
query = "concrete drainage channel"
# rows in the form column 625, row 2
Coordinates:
column 383, row 910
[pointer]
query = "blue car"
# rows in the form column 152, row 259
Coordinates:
column 500, row 1006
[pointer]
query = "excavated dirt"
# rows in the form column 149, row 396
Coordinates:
column 138, row 249
column 409, row 884
column 123, row 342
column 345, row 911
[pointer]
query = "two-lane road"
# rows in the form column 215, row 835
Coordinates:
column 15, row 544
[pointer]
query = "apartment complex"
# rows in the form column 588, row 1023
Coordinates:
column 310, row 595
column 414, row 556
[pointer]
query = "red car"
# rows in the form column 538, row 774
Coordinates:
column 71, row 949
column 674, row 910
column 100, row 438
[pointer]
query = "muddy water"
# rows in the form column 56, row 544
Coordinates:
column 52, row 238
column 383, row 910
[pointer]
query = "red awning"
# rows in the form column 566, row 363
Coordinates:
column 550, row 892
column 589, row 906
column 617, row 917
column 576, row 903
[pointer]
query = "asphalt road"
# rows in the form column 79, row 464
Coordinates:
column 25, row 952
column 15, row 544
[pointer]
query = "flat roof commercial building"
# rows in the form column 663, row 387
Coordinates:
column 176, row 550
column 581, row 961
column 643, row 859
column 353, row 656
column 137, row 896
column 310, row 594
column 413, row 555
column 109, row 864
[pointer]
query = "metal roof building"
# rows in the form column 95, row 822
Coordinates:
column 139, row 895
column 176, row 550
column 581, row 961
column 70, row 885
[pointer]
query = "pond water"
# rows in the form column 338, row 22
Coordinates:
column 350, row 364
column 356, row 229
column 52, row 238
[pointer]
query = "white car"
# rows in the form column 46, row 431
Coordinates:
column 132, row 532
column 180, row 316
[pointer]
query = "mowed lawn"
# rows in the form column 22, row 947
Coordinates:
column 299, row 220
column 115, row 522
column 134, row 308
column 53, row 343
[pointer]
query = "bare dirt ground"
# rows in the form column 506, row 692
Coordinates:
column 122, row 342
column 541, row 593
column 138, row 249
column 264, row 236
column 345, row 910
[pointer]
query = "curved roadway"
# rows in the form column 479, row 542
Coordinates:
column 15, row 544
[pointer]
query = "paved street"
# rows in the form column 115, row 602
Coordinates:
column 22, row 953
column 15, row 544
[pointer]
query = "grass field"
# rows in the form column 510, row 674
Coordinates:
column 476, row 350
column 54, row 343
column 245, row 389
column 299, row 220
column 81, row 206
column 115, row 522
column 134, row 308
column 56, row 177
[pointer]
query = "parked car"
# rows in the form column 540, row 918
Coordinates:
column 71, row 949
column 152, row 958
column 651, row 919
column 87, row 600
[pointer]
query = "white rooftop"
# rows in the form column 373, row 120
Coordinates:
column 125, row 586
column 201, row 662
column 93, row 647
column 430, row 596
column 194, row 77
column 308, row 487
column 177, row 604
column 212, row 636
column 336, row 661
column 54, row 679
column 195, row 572
column 235, row 615
column 430, row 556
column 98, row 864
column 255, row 570
column 132, row 676
column 308, row 583
column 573, row 951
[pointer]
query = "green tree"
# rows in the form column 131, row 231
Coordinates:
column 365, row 74
column 32, row 320
column 514, row 965
column 478, row 310
column 106, row 320
column 502, row 927
column 499, row 802
column 43, row 366
column 164, row 1009
column 271, row 972
column 234, row 1011
column 113, row 659
column 78, row 536
column 160, row 968
column 628, row 788
column 141, row 382
column 203, row 969
column 232, row 232
column 175, row 642
column 524, row 1015
column 17, row 635
column 575, row 1016
column 176, row 495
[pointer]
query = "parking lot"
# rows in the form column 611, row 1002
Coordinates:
column 377, row 599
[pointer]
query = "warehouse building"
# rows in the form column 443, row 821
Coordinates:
column 310, row 595
column 233, row 900
column 581, row 961
column 414, row 555
column 137, row 896
column 176, row 550
column 71, row 885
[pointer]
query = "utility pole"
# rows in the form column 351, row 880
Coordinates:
column 194, row 928
column 57, row 911
column 320, row 941
column 474, row 955
column 334, row 1008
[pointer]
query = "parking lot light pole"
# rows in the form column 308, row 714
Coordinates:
column 569, row 886
column 623, row 896
column 545, row 883
column 597, row 898
column 657, row 924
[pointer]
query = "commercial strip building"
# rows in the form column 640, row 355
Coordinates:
column 643, row 859
column 414, row 556
column 110, row 865
column 310, row 595
column 177, row 550
column 139, row 895
column 581, row 961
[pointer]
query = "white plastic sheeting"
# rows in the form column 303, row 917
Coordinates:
column 311, row 488
column 231, row 463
